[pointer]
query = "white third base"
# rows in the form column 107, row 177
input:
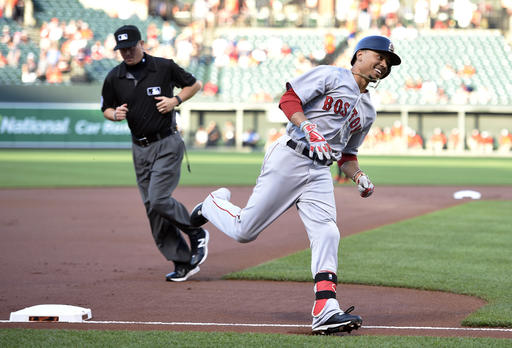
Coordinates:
column 467, row 194
column 52, row 312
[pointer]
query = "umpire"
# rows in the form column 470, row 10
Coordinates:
column 141, row 90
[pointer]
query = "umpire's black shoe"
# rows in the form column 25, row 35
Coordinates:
column 199, row 246
column 182, row 272
column 196, row 217
column 340, row 322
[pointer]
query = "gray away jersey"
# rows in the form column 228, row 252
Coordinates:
column 331, row 99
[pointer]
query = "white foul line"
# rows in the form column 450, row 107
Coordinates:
column 437, row 328
column 284, row 325
column 195, row 324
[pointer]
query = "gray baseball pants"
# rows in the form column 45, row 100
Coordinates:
column 157, row 168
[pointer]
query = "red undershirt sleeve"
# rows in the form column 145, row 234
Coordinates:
column 345, row 157
column 290, row 103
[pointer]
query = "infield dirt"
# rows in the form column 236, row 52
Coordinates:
column 93, row 248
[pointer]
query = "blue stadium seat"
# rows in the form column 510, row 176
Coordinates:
column 487, row 51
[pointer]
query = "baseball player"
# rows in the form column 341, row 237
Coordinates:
column 330, row 112
column 140, row 90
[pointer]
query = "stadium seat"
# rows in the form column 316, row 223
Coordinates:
column 457, row 47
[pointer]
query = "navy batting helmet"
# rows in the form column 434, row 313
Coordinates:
column 379, row 44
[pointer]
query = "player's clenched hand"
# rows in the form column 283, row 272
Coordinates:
column 364, row 185
column 317, row 142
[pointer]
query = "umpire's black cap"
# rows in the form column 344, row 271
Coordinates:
column 127, row 36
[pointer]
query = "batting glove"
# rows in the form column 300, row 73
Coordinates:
column 364, row 185
column 317, row 142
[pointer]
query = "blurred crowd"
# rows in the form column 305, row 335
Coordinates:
column 388, row 139
column 430, row 91
column 64, row 50
column 66, row 47
column 394, row 16
column 391, row 140
column 355, row 15
column 14, row 9
column 213, row 136
column 242, row 53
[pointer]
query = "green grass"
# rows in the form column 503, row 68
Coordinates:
column 407, row 170
column 464, row 249
column 27, row 338
column 74, row 168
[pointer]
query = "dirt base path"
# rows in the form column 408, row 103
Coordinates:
column 93, row 248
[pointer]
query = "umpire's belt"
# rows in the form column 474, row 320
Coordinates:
column 293, row 144
column 148, row 139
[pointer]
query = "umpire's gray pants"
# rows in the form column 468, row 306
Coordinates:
column 158, row 168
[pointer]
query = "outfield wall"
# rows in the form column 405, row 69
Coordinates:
column 82, row 125
column 59, row 125
column 423, row 119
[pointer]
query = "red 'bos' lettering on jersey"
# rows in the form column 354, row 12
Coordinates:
column 339, row 107
column 327, row 103
column 342, row 109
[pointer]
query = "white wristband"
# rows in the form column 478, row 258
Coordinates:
column 303, row 124
column 115, row 117
column 355, row 174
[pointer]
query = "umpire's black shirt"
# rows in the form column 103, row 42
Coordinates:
column 138, row 86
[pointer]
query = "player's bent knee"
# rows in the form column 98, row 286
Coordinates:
column 333, row 234
column 245, row 239
column 330, row 233
column 247, row 236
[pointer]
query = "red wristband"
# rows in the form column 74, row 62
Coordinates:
column 346, row 157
